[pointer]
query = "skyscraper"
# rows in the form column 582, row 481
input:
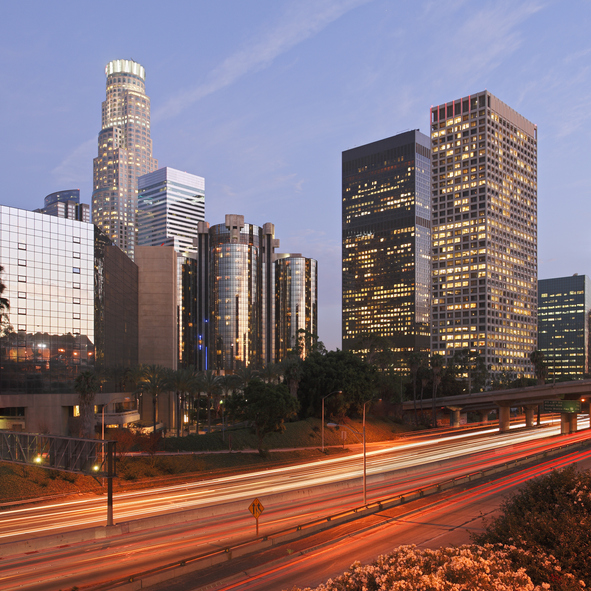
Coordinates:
column 170, row 205
column 386, row 233
column 564, row 308
column 124, row 153
column 66, row 204
column 484, row 196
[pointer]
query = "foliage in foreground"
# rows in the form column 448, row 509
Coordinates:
column 550, row 515
column 466, row 568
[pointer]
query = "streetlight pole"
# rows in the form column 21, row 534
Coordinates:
column 323, row 398
column 364, row 460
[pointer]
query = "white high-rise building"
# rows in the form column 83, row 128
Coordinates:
column 484, row 232
column 170, row 203
column 124, row 153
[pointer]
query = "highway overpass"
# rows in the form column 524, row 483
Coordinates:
column 503, row 400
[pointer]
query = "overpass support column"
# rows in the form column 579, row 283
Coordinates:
column 529, row 415
column 454, row 419
column 504, row 418
column 568, row 423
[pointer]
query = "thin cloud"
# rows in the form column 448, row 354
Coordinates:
column 302, row 21
column 72, row 171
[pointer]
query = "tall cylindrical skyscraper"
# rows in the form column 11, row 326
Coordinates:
column 124, row 153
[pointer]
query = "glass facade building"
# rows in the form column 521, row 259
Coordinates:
column 484, row 197
column 124, row 153
column 49, row 277
column 240, row 299
column 73, row 302
column 386, row 239
column 564, row 307
column 66, row 204
column 296, row 301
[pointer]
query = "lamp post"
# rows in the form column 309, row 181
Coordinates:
column 355, row 432
column 323, row 399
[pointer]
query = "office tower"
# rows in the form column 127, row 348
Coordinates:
column 296, row 301
column 73, row 302
column 564, row 307
column 386, row 233
column 66, row 204
column 170, row 204
column 124, row 153
column 484, row 196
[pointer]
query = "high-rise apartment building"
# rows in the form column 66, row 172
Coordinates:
column 386, row 233
column 564, row 309
column 484, row 230
column 124, row 153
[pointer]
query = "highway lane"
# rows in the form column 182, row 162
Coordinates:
column 432, row 525
column 404, row 455
column 92, row 562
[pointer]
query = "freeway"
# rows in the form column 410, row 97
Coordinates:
column 91, row 562
column 90, row 511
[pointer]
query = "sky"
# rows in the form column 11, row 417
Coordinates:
column 262, row 97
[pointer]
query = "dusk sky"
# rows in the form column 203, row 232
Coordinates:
column 260, row 97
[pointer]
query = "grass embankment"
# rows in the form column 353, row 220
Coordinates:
column 20, row 482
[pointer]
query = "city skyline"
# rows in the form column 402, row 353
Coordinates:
column 264, row 104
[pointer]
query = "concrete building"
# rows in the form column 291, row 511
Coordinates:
column 66, row 204
column 564, row 313
column 171, row 204
column 124, row 153
column 386, row 240
column 484, row 232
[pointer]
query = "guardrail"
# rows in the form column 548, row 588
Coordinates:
column 170, row 571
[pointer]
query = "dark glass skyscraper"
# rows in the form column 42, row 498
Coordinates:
column 386, row 232
column 564, row 305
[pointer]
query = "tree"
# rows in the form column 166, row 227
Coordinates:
column 265, row 407
column 86, row 386
column 333, row 371
column 549, row 516
column 210, row 386
column 436, row 369
column 471, row 365
column 291, row 368
column 154, row 380
column 5, row 326
column 182, row 381
column 307, row 343
column 540, row 366
column 416, row 361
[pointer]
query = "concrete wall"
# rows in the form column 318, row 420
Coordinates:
column 157, row 305
column 49, row 413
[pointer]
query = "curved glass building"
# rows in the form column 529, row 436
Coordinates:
column 296, row 301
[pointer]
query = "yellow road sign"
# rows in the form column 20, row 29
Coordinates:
column 256, row 508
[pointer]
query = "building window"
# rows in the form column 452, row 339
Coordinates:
column 76, row 270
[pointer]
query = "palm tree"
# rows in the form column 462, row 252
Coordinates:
column 270, row 373
column 291, row 367
column 540, row 367
column 87, row 385
column 182, row 381
column 245, row 375
column 436, row 366
column 415, row 361
column 228, row 383
column 210, row 384
column 5, row 327
column 154, row 381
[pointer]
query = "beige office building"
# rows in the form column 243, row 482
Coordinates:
column 124, row 153
column 484, row 232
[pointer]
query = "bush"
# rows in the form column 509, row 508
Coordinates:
column 467, row 568
column 549, row 517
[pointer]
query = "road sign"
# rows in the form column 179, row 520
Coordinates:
column 256, row 508
column 562, row 406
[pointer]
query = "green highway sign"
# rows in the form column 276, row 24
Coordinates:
column 562, row 406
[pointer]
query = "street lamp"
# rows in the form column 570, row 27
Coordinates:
column 323, row 399
column 355, row 432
